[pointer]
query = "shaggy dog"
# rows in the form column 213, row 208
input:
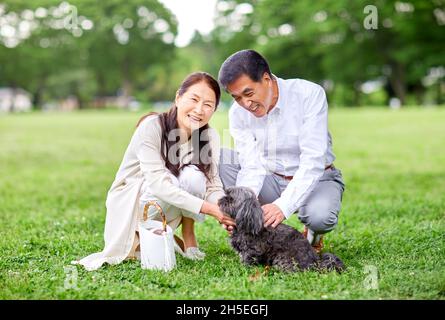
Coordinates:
column 282, row 247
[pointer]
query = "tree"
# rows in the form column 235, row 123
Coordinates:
column 323, row 41
column 69, row 43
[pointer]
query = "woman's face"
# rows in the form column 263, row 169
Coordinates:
column 195, row 107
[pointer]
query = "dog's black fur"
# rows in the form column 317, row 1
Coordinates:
column 282, row 247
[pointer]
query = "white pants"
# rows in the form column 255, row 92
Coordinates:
column 191, row 180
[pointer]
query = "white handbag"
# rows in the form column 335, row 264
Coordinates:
column 156, row 242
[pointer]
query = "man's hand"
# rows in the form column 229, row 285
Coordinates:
column 272, row 215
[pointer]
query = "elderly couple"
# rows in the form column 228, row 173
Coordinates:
column 283, row 152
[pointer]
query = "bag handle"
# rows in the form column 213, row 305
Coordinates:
column 158, row 207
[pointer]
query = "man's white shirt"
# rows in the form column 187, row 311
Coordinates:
column 291, row 140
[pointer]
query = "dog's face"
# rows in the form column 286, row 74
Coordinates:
column 241, row 204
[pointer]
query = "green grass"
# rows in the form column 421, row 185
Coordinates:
column 56, row 169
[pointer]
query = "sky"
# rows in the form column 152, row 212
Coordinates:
column 192, row 15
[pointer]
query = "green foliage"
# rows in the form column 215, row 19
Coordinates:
column 56, row 170
column 112, row 44
column 128, row 48
column 327, row 40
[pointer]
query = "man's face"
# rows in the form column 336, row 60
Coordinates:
column 255, row 97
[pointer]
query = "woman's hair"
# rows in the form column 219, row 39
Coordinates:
column 168, row 121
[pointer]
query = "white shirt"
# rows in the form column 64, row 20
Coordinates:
column 292, row 140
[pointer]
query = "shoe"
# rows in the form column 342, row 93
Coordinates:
column 192, row 253
column 316, row 241
column 318, row 246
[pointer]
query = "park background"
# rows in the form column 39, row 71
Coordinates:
column 76, row 76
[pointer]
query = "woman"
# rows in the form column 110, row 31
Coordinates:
column 172, row 159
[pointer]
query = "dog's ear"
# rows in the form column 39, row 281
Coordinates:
column 250, row 216
column 224, row 205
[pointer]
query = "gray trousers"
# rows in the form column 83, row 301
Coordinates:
column 320, row 210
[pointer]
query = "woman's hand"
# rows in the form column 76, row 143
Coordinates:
column 214, row 211
column 225, row 220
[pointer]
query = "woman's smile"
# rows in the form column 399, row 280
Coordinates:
column 194, row 118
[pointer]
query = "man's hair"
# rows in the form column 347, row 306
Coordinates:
column 248, row 62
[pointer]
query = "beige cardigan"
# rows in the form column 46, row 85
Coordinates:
column 142, row 162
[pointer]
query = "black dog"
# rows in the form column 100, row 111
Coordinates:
column 283, row 246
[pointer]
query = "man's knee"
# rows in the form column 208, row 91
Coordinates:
column 320, row 217
column 228, row 167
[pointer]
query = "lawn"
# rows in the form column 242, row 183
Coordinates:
column 56, row 169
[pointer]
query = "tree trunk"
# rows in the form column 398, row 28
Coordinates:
column 14, row 94
column 76, row 92
column 397, row 81
column 389, row 92
column 357, row 95
column 12, row 105
column 439, row 99
column 99, row 99
column 37, row 98
column 126, row 83
column 419, row 92
column 126, row 91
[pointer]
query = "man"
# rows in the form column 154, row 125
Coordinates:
column 283, row 147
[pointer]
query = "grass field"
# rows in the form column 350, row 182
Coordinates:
column 55, row 171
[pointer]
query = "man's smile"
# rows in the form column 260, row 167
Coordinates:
column 255, row 107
